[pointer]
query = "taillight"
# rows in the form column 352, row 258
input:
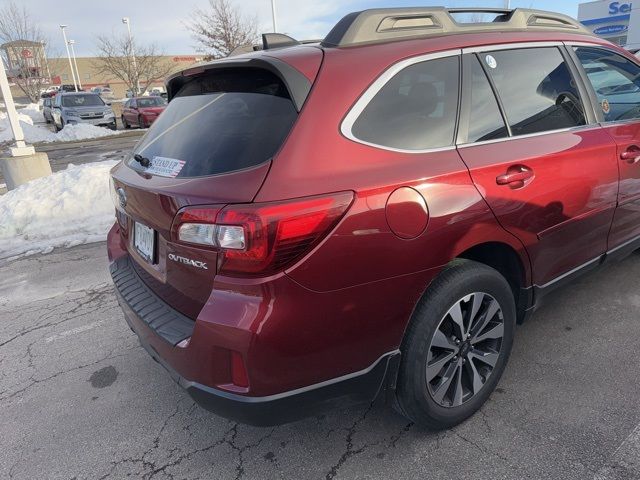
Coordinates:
column 261, row 238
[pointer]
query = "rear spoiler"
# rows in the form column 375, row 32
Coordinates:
column 296, row 83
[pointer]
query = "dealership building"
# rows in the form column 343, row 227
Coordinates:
column 617, row 21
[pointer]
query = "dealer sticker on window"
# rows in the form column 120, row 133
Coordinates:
column 165, row 167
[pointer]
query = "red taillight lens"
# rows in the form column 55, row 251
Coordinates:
column 279, row 233
column 259, row 239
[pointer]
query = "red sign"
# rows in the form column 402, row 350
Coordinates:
column 26, row 53
column 185, row 59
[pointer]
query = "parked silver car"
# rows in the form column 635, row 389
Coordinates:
column 46, row 109
column 81, row 107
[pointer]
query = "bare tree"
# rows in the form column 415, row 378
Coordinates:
column 220, row 28
column 115, row 58
column 25, row 50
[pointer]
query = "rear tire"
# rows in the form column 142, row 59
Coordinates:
column 453, row 355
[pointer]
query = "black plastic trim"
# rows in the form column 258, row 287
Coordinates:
column 359, row 387
column 168, row 323
column 540, row 292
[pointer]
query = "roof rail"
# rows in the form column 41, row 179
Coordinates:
column 389, row 24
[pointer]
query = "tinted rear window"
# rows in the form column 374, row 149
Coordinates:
column 225, row 121
column 536, row 88
column 485, row 119
column 415, row 110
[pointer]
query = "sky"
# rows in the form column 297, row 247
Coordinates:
column 162, row 21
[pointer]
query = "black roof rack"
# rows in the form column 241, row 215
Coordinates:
column 388, row 24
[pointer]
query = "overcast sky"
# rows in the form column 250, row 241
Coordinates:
column 162, row 21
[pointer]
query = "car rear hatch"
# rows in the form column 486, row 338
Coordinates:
column 212, row 146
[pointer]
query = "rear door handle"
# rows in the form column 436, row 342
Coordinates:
column 515, row 177
column 631, row 154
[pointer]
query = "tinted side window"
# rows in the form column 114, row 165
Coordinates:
column 485, row 119
column 536, row 89
column 616, row 81
column 415, row 110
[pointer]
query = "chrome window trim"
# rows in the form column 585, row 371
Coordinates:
column 593, row 126
column 588, row 44
column 510, row 46
column 346, row 127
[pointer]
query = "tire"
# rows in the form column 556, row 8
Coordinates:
column 125, row 124
column 435, row 389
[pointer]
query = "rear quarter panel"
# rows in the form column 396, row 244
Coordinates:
column 318, row 159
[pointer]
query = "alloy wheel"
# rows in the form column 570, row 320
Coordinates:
column 464, row 349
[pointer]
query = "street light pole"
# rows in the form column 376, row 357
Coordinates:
column 14, row 123
column 273, row 16
column 75, row 62
column 126, row 21
column 66, row 44
column 24, row 164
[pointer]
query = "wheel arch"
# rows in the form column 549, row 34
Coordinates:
column 510, row 264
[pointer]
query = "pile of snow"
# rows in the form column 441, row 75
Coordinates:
column 36, row 134
column 68, row 208
column 82, row 131
column 32, row 111
column 32, row 133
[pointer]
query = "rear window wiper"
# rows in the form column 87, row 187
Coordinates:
column 144, row 161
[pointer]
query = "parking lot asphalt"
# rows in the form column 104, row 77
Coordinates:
column 80, row 399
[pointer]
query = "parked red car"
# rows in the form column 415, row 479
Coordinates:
column 142, row 111
column 294, row 232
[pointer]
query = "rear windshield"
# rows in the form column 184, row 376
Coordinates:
column 225, row 121
column 81, row 101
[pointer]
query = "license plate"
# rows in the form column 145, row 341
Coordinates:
column 144, row 241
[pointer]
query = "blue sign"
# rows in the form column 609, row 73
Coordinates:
column 617, row 7
column 610, row 29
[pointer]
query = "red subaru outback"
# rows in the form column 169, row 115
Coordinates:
column 372, row 215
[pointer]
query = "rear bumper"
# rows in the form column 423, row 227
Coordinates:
column 293, row 405
column 162, row 331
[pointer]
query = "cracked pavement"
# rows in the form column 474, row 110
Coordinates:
column 79, row 399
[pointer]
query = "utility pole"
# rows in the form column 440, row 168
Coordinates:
column 273, row 16
column 75, row 63
column 24, row 164
column 126, row 21
column 66, row 44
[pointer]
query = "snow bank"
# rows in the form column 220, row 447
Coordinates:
column 32, row 133
column 36, row 134
column 32, row 111
column 68, row 208
column 82, row 131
